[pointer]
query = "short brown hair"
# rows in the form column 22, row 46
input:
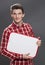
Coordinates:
column 16, row 6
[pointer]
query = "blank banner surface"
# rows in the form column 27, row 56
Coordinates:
column 22, row 44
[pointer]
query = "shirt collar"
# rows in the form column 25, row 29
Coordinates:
column 16, row 25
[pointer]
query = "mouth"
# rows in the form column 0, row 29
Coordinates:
column 17, row 18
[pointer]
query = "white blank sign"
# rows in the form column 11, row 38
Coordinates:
column 22, row 44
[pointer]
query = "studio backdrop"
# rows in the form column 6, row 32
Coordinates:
column 34, row 15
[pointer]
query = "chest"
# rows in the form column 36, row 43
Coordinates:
column 22, row 30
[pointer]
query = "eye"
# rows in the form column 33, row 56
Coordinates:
column 14, row 13
column 19, row 13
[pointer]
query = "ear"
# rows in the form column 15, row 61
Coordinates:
column 11, row 15
column 23, row 15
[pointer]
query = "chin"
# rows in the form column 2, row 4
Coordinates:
column 17, row 22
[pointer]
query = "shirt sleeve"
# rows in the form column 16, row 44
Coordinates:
column 31, row 33
column 4, row 50
column 0, row 50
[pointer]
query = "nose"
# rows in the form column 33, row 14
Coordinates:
column 16, row 15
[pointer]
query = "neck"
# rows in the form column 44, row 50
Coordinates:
column 19, row 24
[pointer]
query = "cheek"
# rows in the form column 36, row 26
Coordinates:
column 21, row 16
column 14, row 17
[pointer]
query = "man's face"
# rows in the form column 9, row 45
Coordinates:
column 17, row 15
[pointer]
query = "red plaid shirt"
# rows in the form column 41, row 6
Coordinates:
column 16, row 59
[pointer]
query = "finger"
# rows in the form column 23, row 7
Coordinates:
column 28, row 54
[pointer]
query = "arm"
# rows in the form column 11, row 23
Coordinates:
column 32, row 35
column 4, row 51
column 30, row 31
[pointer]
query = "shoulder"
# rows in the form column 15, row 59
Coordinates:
column 7, row 28
column 28, row 25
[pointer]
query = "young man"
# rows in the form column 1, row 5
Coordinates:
column 18, row 26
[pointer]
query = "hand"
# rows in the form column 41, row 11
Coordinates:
column 39, row 42
column 26, row 56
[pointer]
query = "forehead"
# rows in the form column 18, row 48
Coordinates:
column 17, row 11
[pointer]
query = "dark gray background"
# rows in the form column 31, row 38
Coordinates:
column 35, row 15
